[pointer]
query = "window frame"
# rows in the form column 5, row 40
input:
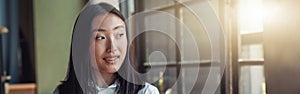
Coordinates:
column 178, row 63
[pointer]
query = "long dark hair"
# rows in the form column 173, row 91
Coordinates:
column 80, row 77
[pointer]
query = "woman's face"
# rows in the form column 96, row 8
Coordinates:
column 109, row 42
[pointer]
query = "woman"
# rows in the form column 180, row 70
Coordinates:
column 99, row 63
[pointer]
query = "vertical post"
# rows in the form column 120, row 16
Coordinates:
column 2, row 89
column 178, row 39
column 2, row 21
column 225, row 15
column 123, row 4
column 234, row 35
column 13, row 39
column 137, row 25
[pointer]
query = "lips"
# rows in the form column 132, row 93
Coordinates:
column 112, row 59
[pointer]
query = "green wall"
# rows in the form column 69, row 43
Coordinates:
column 53, row 24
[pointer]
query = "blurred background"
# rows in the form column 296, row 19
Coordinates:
column 261, row 42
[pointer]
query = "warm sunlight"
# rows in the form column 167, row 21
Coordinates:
column 250, row 16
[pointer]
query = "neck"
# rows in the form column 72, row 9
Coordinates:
column 105, row 79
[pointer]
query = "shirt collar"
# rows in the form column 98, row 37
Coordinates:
column 112, row 86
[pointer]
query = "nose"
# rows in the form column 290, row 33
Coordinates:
column 111, row 45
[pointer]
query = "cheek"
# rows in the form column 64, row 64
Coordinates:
column 123, row 46
column 93, row 55
column 99, row 51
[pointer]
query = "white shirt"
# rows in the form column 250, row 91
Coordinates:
column 148, row 89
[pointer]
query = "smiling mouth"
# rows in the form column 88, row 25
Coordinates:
column 111, row 59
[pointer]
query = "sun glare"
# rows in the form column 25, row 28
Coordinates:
column 250, row 16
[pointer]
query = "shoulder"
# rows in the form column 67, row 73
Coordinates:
column 56, row 91
column 65, row 88
column 149, row 89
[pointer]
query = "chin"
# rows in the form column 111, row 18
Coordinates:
column 112, row 71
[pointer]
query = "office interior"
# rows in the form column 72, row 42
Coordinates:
column 238, row 46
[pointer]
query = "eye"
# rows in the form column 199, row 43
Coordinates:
column 100, row 38
column 120, row 35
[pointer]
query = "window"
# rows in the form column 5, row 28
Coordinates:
column 242, row 21
column 251, row 66
column 154, row 49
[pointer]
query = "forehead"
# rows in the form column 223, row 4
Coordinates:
column 107, row 21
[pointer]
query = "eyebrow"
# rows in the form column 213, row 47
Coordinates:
column 118, row 27
column 115, row 28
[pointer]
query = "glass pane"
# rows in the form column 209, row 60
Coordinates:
column 164, row 80
column 215, row 4
column 250, row 16
column 192, row 24
column 160, row 34
column 201, row 78
column 251, row 52
column 154, row 4
column 252, row 80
